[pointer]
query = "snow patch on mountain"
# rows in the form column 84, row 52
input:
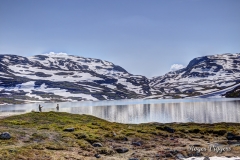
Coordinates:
column 28, row 87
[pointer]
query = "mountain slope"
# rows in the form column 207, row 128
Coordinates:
column 203, row 75
column 62, row 77
column 54, row 77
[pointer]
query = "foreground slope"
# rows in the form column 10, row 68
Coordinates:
column 43, row 136
column 58, row 77
column 202, row 76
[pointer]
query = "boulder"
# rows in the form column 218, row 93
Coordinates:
column 231, row 136
column 69, row 129
column 180, row 156
column 169, row 129
column 121, row 150
column 139, row 143
column 97, row 156
column 166, row 128
column 206, row 158
column 168, row 155
column 5, row 135
column 97, row 144
column 125, row 139
column 174, row 152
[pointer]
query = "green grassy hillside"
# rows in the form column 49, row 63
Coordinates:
column 41, row 136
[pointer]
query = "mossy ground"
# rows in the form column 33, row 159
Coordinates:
column 40, row 136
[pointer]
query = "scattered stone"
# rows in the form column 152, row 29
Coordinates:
column 80, row 135
column 168, row 155
column 196, row 154
column 125, row 139
column 121, row 150
column 231, row 136
column 197, row 145
column 180, row 156
column 139, row 143
column 166, row 128
column 174, row 152
column 206, row 158
column 12, row 150
column 133, row 159
column 69, row 129
column 97, row 144
column 97, row 156
column 5, row 135
column 169, row 129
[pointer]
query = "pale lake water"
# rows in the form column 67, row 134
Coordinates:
column 201, row 110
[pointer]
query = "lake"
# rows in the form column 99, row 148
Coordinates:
column 199, row 110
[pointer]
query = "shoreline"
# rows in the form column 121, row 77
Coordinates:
column 145, row 123
column 21, row 102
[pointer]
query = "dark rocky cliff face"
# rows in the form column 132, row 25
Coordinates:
column 235, row 93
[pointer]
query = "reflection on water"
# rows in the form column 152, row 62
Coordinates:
column 145, row 111
column 20, row 110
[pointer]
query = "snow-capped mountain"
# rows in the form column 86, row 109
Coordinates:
column 203, row 77
column 51, row 77
column 62, row 77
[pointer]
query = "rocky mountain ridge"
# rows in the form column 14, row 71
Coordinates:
column 203, row 75
column 54, row 77
column 62, row 77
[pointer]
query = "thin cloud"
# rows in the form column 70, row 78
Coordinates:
column 175, row 67
column 53, row 54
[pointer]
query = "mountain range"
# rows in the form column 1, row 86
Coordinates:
column 207, row 76
column 62, row 77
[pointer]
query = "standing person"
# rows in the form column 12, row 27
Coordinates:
column 57, row 107
column 40, row 108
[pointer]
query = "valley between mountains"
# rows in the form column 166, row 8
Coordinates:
column 62, row 77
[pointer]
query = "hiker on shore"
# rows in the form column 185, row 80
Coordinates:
column 40, row 108
column 57, row 107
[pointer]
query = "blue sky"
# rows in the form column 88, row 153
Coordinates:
column 145, row 37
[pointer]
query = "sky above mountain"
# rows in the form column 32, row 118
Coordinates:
column 144, row 37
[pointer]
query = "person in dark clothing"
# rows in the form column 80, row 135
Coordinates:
column 40, row 108
column 57, row 107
